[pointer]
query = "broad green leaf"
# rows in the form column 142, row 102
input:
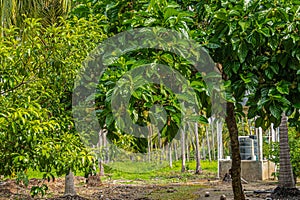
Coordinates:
column 244, row 25
column 283, row 87
column 275, row 110
column 242, row 51
column 258, row 122
column 265, row 31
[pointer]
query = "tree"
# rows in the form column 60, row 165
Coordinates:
column 38, row 67
column 257, row 44
column 120, row 18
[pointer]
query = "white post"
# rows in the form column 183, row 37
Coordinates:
column 220, row 145
column 260, row 144
column 273, row 133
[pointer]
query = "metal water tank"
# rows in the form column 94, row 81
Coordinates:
column 248, row 147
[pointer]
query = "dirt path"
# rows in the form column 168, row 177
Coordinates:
column 120, row 190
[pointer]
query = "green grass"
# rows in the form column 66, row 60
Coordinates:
column 162, row 175
column 182, row 192
column 137, row 172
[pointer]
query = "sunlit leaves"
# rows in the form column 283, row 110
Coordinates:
column 37, row 71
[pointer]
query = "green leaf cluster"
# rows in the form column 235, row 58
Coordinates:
column 38, row 68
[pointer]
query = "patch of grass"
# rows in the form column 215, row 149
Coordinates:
column 34, row 174
column 161, row 176
column 182, row 192
column 137, row 172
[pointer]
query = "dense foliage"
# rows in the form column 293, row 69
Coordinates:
column 254, row 43
column 38, row 67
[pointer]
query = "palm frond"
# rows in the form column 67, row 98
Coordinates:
column 13, row 12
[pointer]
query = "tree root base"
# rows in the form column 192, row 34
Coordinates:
column 282, row 193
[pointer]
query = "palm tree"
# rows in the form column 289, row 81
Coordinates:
column 13, row 12
column 285, row 172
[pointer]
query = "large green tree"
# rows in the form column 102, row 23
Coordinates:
column 38, row 67
column 257, row 45
column 125, row 15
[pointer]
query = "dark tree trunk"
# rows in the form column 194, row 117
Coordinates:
column 285, row 171
column 235, row 149
column 69, row 184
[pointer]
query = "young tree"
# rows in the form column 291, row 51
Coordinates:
column 37, row 72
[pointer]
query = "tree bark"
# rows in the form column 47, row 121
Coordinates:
column 187, row 150
column 149, row 142
column 213, row 139
column 198, row 165
column 285, row 171
column 101, row 167
column 69, row 184
column 208, row 143
column 235, row 149
column 175, row 150
column 170, row 155
column 183, row 168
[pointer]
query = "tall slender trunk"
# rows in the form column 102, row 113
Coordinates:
column 203, row 149
column 175, row 150
column 170, row 155
column 183, row 168
column 208, row 143
column 285, row 171
column 213, row 139
column 149, row 142
column 69, row 184
column 187, row 150
column 198, row 165
column 101, row 167
column 235, row 149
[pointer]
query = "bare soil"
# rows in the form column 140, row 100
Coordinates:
column 140, row 190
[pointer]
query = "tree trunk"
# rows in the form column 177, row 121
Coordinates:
column 170, row 155
column 235, row 149
column 101, row 167
column 285, row 171
column 208, row 143
column 69, row 184
column 198, row 165
column 149, row 142
column 187, row 150
column 203, row 149
column 175, row 150
column 213, row 139
column 183, row 168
